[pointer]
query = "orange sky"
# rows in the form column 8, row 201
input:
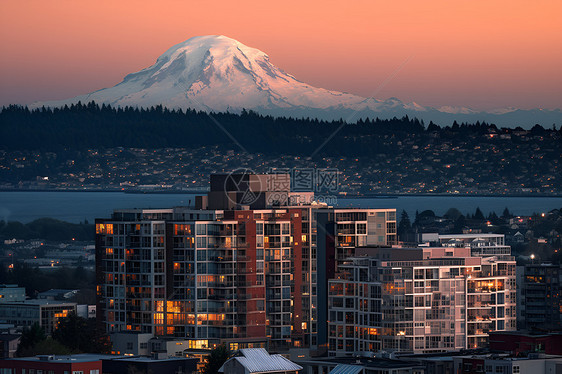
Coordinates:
column 481, row 54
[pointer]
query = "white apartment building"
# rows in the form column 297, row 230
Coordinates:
column 420, row 300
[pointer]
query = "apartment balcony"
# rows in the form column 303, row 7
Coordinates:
column 480, row 306
column 479, row 332
column 479, row 319
column 278, row 283
column 222, row 258
column 482, row 290
column 220, row 284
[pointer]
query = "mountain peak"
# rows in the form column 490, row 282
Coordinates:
column 218, row 73
column 216, row 44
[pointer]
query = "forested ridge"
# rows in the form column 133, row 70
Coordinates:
column 84, row 126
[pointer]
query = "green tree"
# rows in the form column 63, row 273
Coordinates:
column 478, row 214
column 453, row 214
column 459, row 224
column 46, row 347
column 73, row 332
column 29, row 338
column 80, row 334
column 424, row 217
column 216, row 359
column 405, row 226
column 506, row 214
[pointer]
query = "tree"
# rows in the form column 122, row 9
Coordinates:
column 216, row 359
column 432, row 127
column 46, row 347
column 459, row 224
column 453, row 214
column 405, row 226
column 478, row 214
column 506, row 214
column 80, row 334
column 29, row 338
column 427, row 216
column 73, row 332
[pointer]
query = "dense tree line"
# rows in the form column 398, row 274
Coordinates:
column 47, row 229
column 85, row 126
column 547, row 226
column 35, row 280
column 73, row 335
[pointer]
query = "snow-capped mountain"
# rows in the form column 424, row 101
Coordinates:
column 217, row 73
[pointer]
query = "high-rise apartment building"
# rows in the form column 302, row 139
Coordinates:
column 246, row 266
column 340, row 232
column 540, row 296
column 419, row 300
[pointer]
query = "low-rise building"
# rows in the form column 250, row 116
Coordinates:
column 131, row 343
column 97, row 364
column 46, row 313
column 57, row 294
column 506, row 364
column 82, row 363
column 9, row 344
column 11, row 292
column 521, row 342
column 360, row 365
column 172, row 346
column 157, row 363
column 258, row 360
column 480, row 244
column 86, row 311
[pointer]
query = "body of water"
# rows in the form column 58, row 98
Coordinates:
column 79, row 206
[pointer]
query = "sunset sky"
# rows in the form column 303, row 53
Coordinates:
column 480, row 54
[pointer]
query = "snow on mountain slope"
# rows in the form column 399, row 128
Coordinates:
column 217, row 73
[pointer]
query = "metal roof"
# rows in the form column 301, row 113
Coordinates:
column 469, row 236
column 346, row 369
column 258, row 360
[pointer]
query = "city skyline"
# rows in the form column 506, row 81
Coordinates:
column 474, row 55
column 254, row 187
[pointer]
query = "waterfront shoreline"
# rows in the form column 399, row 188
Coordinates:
column 339, row 196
